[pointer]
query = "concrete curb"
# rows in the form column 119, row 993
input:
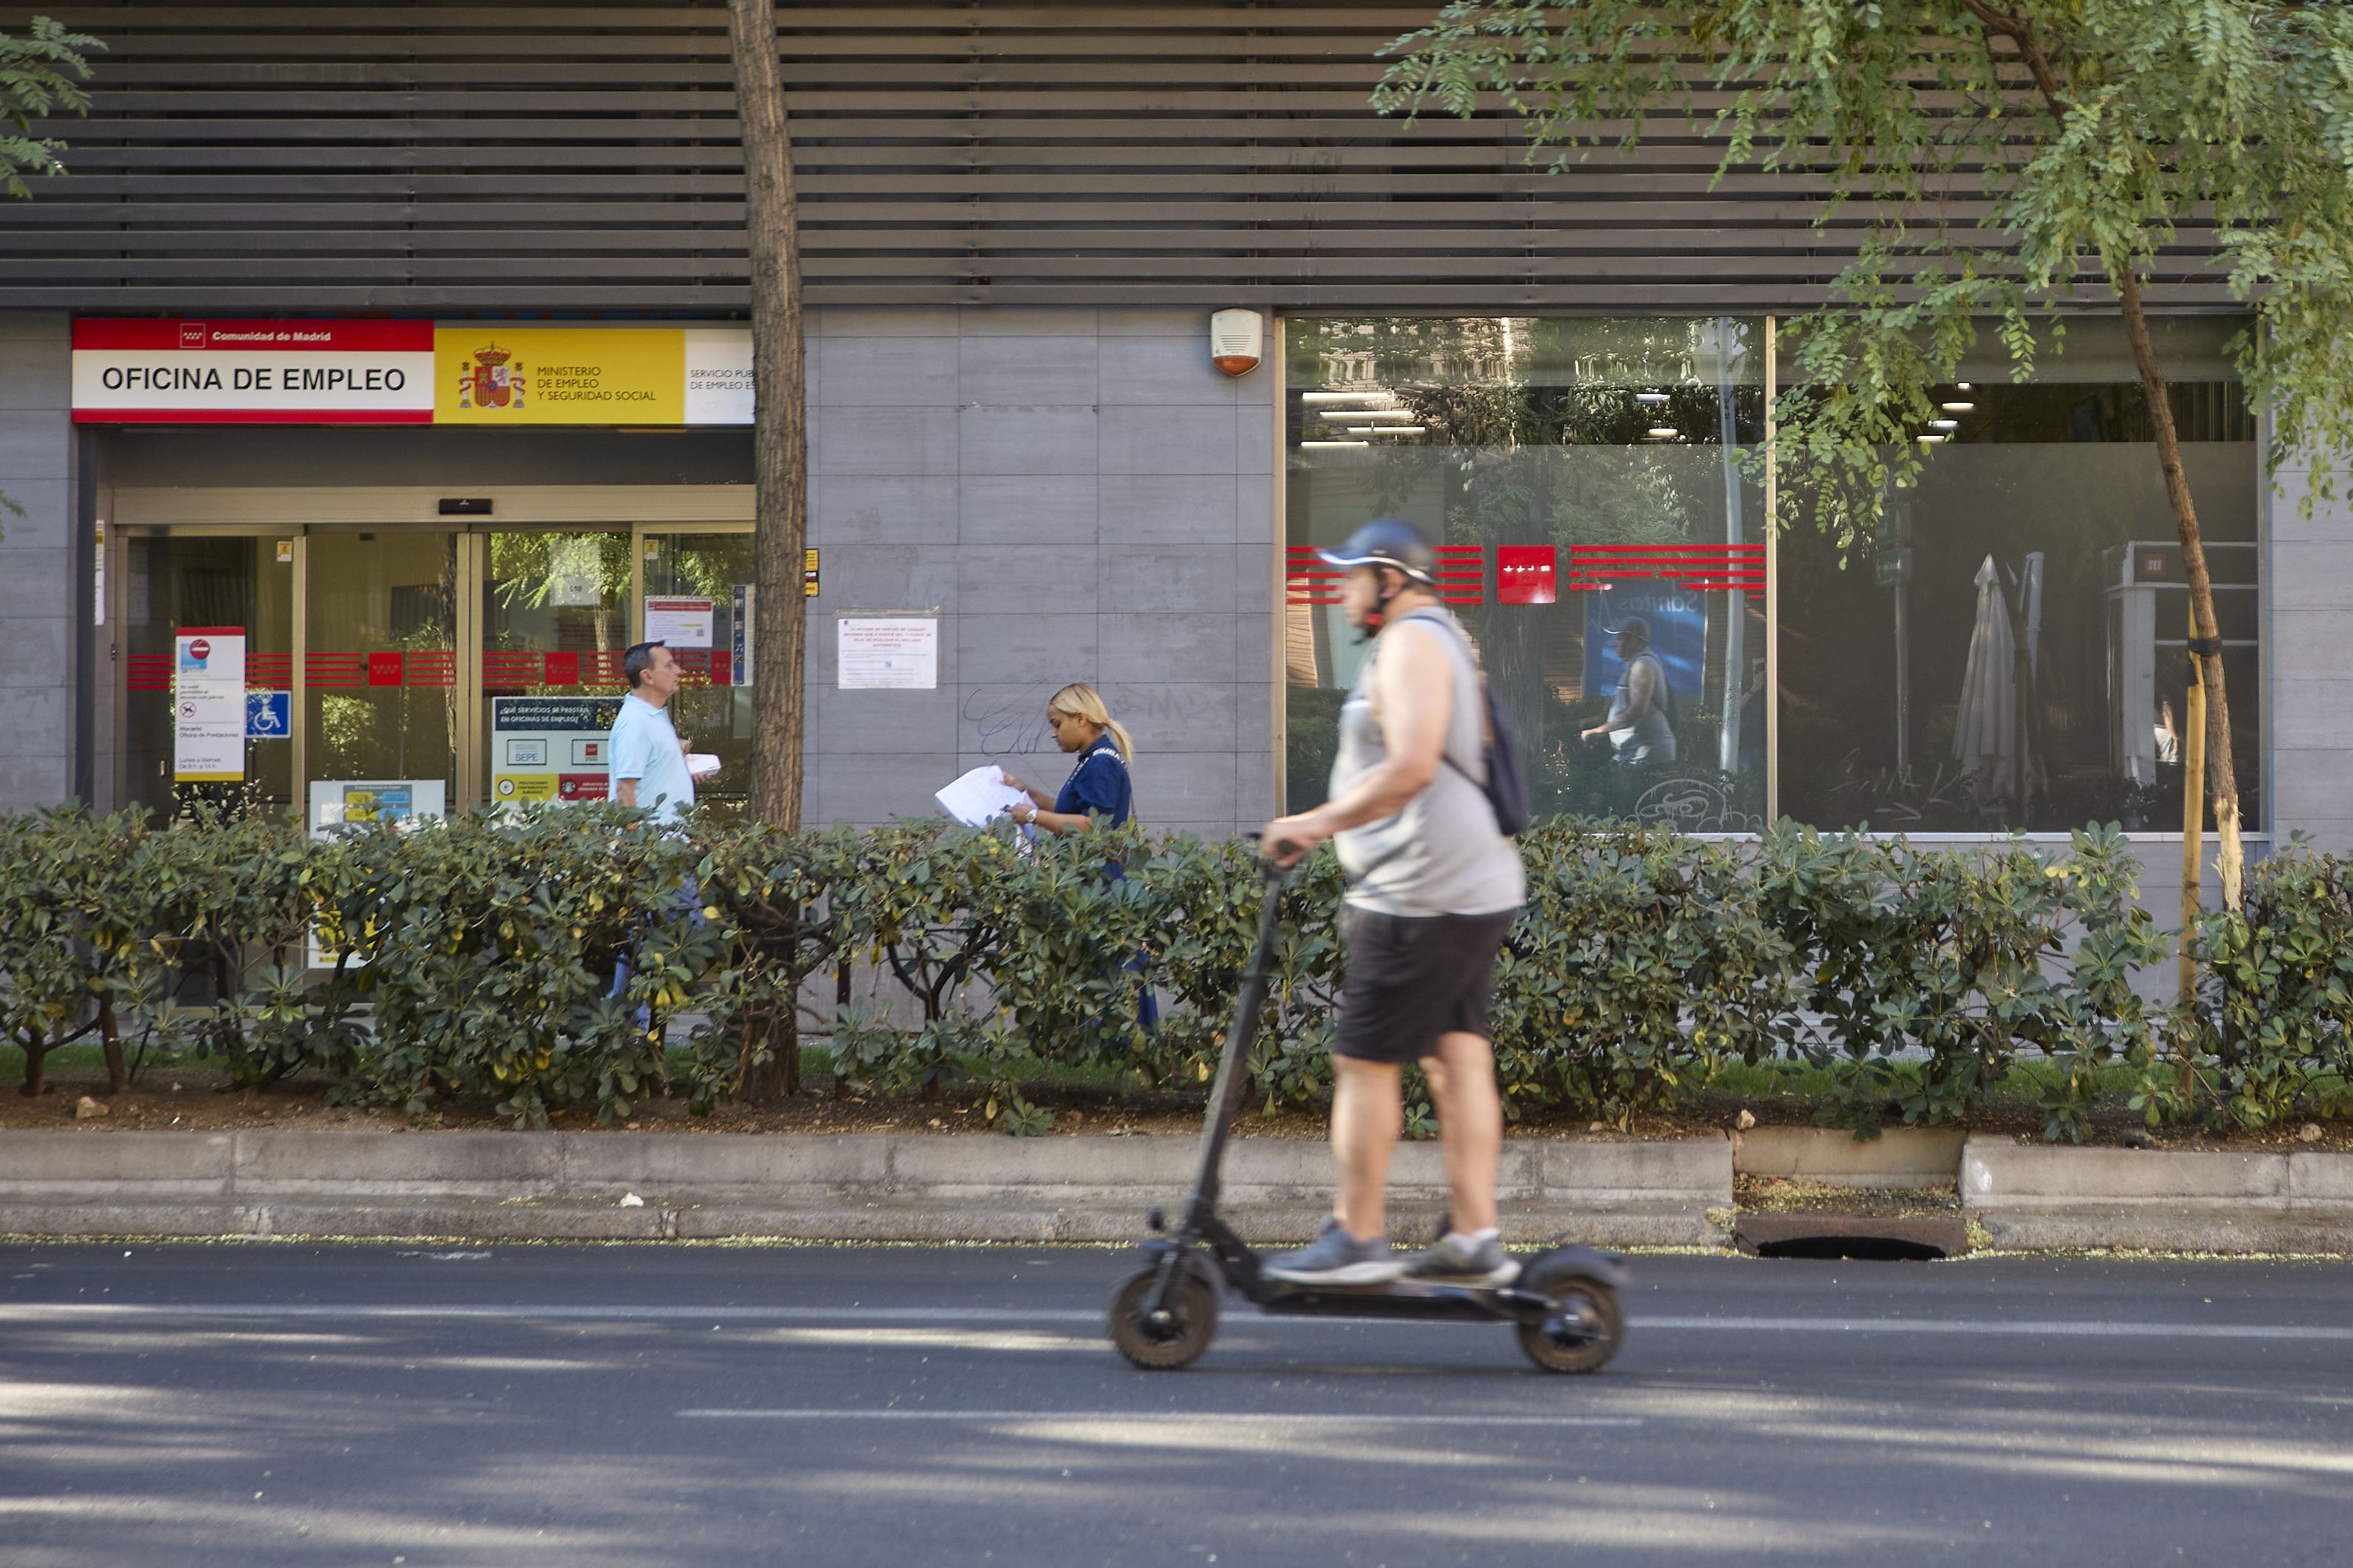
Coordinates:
column 2041, row 1197
column 511, row 1186
column 1899, row 1157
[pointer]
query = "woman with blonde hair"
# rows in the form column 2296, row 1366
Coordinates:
column 1099, row 788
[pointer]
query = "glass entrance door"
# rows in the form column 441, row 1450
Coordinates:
column 174, row 580
column 381, row 704
column 555, row 625
column 689, row 577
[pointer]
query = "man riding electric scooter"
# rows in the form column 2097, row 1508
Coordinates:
column 1434, row 885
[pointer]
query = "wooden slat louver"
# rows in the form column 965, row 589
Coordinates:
column 581, row 156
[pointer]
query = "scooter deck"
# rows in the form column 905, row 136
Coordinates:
column 1402, row 1298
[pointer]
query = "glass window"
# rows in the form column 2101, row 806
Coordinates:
column 1583, row 481
column 382, row 659
column 2008, row 652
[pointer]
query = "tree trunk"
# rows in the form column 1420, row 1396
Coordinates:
column 779, row 418
column 779, row 468
column 2221, row 776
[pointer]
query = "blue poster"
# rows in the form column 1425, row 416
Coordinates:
column 1678, row 618
column 269, row 715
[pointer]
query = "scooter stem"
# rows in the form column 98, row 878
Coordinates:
column 1227, row 1091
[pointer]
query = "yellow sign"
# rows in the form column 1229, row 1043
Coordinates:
column 492, row 373
column 519, row 787
column 808, row 574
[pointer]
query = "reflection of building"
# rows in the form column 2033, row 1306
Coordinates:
column 1014, row 419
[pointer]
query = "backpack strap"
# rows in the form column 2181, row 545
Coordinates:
column 1479, row 669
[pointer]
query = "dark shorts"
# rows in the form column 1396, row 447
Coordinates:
column 1412, row 978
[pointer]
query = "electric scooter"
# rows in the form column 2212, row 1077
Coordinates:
column 1564, row 1304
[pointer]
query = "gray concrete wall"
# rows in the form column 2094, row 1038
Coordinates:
column 39, row 596
column 1085, row 497
column 2307, row 572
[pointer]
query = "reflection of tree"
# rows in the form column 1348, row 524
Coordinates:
column 527, row 568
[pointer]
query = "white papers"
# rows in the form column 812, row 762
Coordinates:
column 978, row 796
column 679, row 621
column 877, row 653
column 208, row 704
column 701, row 764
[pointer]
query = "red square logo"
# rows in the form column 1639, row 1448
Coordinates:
column 1524, row 573
column 192, row 335
column 384, row 669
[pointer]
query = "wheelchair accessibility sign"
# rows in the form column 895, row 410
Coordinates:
column 269, row 715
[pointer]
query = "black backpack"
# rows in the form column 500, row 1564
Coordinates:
column 1506, row 787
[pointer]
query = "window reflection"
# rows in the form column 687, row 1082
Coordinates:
column 1582, row 479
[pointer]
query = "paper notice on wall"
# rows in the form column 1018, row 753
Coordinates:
column 881, row 653
column 679, row 621
column 208, row 704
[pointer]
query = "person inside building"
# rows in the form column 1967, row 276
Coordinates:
column 1434, row 885
column 1641, row 712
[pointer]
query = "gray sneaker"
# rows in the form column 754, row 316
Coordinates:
column 1454, row 1261
column 1337, row 1259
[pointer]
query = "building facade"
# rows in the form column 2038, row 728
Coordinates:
column 1024, row 468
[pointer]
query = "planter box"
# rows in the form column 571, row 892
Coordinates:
column 570, row 1185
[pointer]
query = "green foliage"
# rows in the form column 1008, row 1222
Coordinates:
column 41, row 75
column 2276, row 1001
column 474, row 959
column 1996, row 155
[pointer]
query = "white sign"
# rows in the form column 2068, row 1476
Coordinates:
column 337, row 802
column 877, row 653
column 378, row 372
column 678, row 621
column 744, row 603
column 718, row 375
column 208, row 704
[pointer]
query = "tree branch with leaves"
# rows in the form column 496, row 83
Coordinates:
column 2000, row 162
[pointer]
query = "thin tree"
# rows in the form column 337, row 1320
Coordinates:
column 779, row 415
column 2004, row 160
column 780, row 480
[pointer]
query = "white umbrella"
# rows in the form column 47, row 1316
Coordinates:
column 1985, row 738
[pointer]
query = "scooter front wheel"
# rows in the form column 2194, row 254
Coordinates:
column 1581, row 1331
column 1163, row 1342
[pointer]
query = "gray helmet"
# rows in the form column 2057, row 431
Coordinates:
column 1387, row 541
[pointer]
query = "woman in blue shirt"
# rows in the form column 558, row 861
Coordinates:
column 1098, row 788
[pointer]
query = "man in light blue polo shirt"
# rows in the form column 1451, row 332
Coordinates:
column 649, row 769
column 648, row 759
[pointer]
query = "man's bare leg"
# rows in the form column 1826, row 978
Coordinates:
column 1367, row 1114
column 1470, row 1126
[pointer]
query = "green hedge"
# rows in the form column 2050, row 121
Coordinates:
column 480, row 956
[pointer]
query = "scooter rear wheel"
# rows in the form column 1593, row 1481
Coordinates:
column 1176, row 1338
column 1581, row 1332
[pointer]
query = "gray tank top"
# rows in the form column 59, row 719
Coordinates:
column 1443, row 855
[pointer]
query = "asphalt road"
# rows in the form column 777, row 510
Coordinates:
column 261, row 1404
